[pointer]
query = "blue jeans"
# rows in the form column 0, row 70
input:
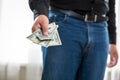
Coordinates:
column 84, row 50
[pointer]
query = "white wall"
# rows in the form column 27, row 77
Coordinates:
column 16, row 22
column 118, row 25
column 0, row 11
column 118, row 16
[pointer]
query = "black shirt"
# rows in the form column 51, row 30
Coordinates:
column 108, row 8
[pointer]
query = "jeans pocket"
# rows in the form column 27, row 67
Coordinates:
column 104, row 25
column 57, row 17
column 101, row 26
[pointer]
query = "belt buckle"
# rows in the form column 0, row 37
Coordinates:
column 90, row 18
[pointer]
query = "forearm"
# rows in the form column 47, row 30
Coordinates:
column 39, row 7
column 112, row 22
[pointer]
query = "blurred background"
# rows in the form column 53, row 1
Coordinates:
column 21, row 57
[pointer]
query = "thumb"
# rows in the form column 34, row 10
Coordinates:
column 45, row 29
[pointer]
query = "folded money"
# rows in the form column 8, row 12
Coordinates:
column 52, row 39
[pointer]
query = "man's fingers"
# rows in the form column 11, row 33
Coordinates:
column 41, row 22
column 35, row 27
column 43, row 27
column 113, row 56
column 113, row 61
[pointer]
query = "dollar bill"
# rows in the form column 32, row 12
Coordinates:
column 56, row 39
column 34, row 38
column 52, row 39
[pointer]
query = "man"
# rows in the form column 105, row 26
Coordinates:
column 83, row 29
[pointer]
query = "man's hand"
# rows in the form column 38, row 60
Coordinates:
column 41, row 22
column 113, row 56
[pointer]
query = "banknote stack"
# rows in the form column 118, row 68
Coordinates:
column 52, row 39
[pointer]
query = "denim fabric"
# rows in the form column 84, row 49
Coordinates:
column 84, row 50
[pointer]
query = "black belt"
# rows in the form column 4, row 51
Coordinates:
column 88, row 17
